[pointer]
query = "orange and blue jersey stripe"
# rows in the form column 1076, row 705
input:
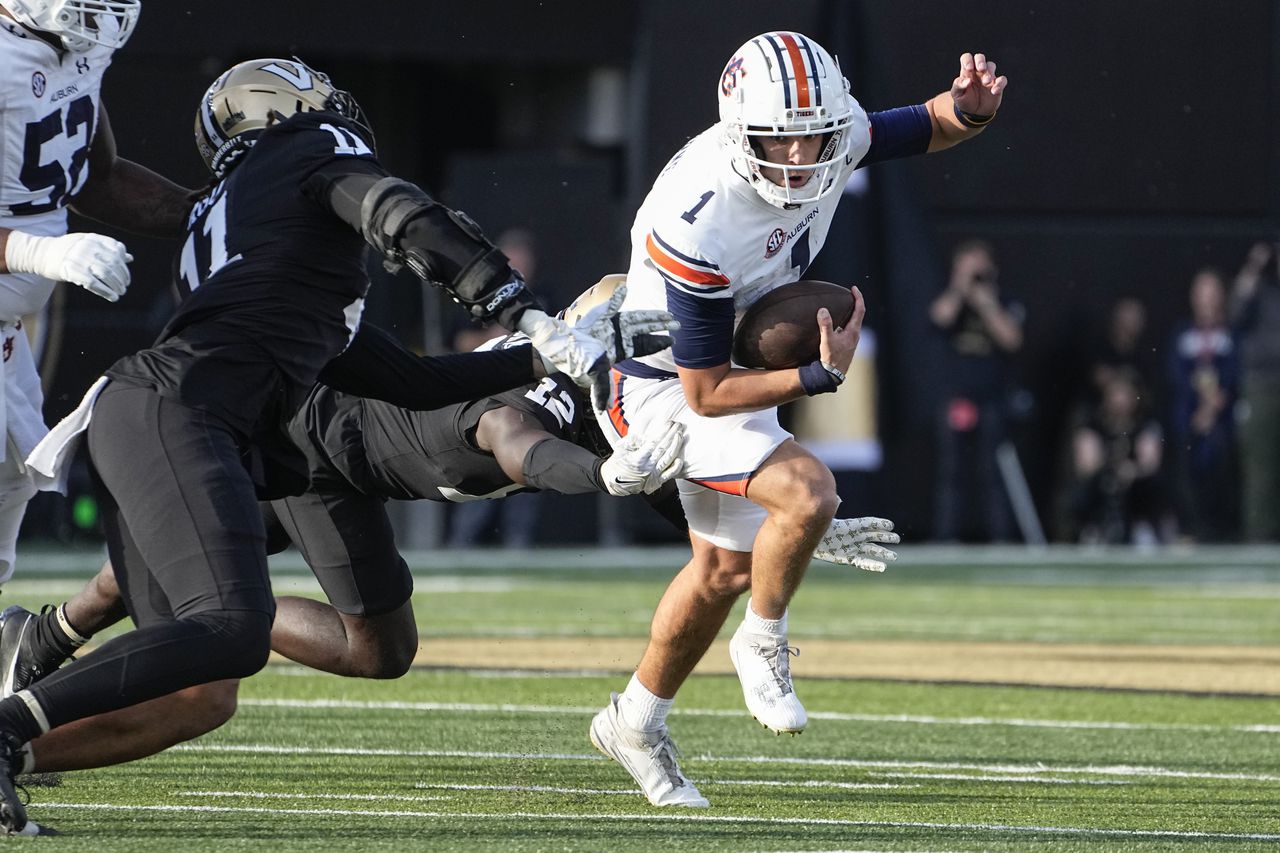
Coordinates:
column 694, row 274
column 619, row 421
column 729, row 484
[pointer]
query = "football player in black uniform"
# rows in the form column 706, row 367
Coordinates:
column 359, row 453
column 186, row 435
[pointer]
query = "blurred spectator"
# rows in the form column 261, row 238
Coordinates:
column 1123, row 348
column 1204, row 382
column 1116, row 462
column 1255, row 314
column 515, row 517
column 982, row 329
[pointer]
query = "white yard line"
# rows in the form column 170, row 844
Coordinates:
column 683, row 817
column 269, row 795
column 838, row 716
column 1015, row 769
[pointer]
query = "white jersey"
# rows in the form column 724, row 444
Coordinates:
column 49, row 103
column 704, row 236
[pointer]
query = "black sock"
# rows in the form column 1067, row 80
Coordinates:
column 17, row 721
column 51, row 645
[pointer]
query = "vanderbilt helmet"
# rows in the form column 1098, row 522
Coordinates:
column 786, row 84
column 593, row 297
column 250, row 96
column 80, row 24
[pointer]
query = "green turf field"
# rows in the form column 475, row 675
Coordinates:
column 498, row 759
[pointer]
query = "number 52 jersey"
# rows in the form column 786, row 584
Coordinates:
column 48, row 116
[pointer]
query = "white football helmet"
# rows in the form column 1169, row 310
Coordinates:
column 79, row 23
column 251, row 95
column 786, row 84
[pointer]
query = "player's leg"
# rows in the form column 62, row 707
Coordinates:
column 692, row 611
column 135, row 732
column 367, row 627
column 32, row 645
column 798, row 494
column 199, row 590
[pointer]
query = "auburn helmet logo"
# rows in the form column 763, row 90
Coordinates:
column 732, row 71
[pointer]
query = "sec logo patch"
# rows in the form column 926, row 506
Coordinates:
column 38, row 84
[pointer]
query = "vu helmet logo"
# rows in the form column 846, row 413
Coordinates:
column 299, row 76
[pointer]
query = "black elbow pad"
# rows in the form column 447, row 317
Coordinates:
column 444, row 247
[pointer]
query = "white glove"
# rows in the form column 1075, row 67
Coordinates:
column 851, row 542
column 644, row 464
column 627, row 334
column 585, row 351
column 93, row 261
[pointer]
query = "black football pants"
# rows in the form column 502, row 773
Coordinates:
column 186, row 537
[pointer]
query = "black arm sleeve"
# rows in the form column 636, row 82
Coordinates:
column 563, row 467
column 375, row 366
column 441, row 245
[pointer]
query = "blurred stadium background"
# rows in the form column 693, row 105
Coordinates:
column 1139, row 142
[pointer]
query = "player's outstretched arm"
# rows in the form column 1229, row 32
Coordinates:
column 970, row 105
column 124, row 194
column 530, row 455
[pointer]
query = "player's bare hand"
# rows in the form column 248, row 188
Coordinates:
column 837, row 345
column 978, row 90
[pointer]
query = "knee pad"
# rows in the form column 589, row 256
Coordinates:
column 242, row 640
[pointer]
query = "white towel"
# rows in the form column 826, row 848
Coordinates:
column 50, row 460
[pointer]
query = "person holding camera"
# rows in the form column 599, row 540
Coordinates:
column 982, row 329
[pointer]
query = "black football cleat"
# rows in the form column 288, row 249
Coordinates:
column 20, row 662
column 13, row 811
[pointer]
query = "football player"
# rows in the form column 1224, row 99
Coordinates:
column 360, row 453
column 185, row 435
column 740, row 210
column 59, row 152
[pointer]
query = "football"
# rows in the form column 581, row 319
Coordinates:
column 780, row 329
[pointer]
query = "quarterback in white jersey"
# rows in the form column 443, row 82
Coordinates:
column 740, row 210
column 57, row 150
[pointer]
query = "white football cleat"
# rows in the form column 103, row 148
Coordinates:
column 650, row 758
column 764, row 669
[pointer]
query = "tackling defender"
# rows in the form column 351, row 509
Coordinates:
column 740, row 210
column 360, row 453
column 185, row 435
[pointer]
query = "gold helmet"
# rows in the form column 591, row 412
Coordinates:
column 250, row 96
column 594, row 296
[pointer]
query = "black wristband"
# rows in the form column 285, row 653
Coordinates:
column 816, row 379
column 971, row 119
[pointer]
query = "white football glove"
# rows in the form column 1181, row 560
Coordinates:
column 852, row 542
column 95, row 262
column 585, row 350
column 644, row 464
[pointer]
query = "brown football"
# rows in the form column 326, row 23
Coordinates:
column 780, row 329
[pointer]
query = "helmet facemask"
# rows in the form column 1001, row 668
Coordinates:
column 254, row 95
column 785, row 85
column 80, row 24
